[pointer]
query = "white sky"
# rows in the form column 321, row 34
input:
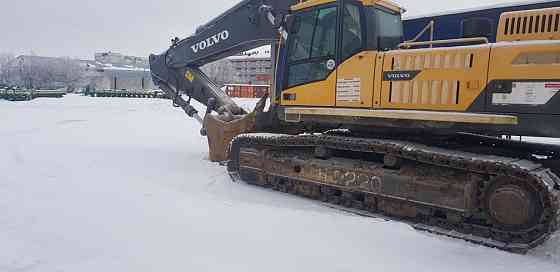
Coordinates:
column 78, row 28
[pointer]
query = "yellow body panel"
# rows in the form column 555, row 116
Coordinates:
column 312, row 3
column 434, row 116
column 449, row 78
column 320, row 93
column 525, row 60
column 442, row 84
column 358, row 72
column 540, row 24
column 386, row 4
column 378, row 82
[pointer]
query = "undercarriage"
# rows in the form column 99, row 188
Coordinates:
column 498, row 201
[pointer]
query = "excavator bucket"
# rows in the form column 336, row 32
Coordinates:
column 220, row 133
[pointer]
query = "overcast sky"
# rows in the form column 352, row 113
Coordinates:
column 78, row 28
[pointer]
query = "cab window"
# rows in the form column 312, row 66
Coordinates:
column 352, row 41
column 384, row 29
column 312, row 44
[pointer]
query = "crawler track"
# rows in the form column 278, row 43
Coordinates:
column 501, row 202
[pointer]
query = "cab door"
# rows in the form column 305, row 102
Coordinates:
column 355, row 74
column 310, row 76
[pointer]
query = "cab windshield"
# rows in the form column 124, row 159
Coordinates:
column 385, row 29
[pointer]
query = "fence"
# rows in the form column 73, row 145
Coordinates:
column 126, row 93
column 246, row 90
column 25, row 95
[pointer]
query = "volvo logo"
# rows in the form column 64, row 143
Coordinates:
column 211, row 41
column 400, row 75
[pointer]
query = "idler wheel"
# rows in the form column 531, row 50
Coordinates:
column 512, row 205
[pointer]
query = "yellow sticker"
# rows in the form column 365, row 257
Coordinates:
column 189, row 76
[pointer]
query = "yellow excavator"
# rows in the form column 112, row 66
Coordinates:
column 365, row 121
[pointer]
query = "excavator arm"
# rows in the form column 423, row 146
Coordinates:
column 249, row 24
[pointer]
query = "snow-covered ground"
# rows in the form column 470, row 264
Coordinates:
column 101, row 184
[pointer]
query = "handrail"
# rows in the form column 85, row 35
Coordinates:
column 429, row 26
column 408, row 45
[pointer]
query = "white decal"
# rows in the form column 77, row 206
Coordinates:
column 527, row 93
column 211, row 41
column 348, row 90
column 331, row 64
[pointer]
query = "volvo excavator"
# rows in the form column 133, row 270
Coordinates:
column 365, row 121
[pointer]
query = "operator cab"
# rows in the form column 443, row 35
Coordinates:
column 327, row 39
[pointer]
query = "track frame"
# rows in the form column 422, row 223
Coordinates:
column 286, row 163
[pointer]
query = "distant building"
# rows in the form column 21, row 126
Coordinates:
column 253, row 67
column 105, row 76
column 109, row 70
column 106, row 71
column 116, row 71
column 118, row 59
column 247, row 90
column 221, row 71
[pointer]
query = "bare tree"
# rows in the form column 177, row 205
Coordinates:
column 27, row 73
column 6, row 61
column 42, row 72
column 33, row 73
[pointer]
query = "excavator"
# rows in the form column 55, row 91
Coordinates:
column 365, row 121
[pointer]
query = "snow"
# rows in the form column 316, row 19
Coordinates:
column 115, row 184
column 111, row 67
column 256, row 53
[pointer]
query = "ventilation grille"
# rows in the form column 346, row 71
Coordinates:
column 429, row 92
column 426, row 92
column 542, row 24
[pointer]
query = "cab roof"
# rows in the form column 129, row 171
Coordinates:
column 303, row 4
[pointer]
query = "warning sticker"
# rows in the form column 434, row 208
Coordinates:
column 348, row 90
column 527, row 93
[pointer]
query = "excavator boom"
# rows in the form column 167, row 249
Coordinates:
column 249, row 24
